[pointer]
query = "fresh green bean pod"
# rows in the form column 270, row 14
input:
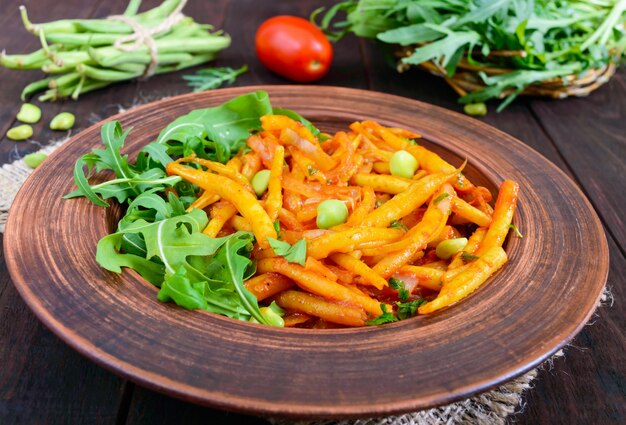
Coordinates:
column 134, row 68
column 64, row 25
column 64, row 80
column 52, row 68
column 106, row 74
column 132, row 8
column 35, row 87
column 81, row 51
column 133, row 57
column 32, row 60
column 197, row 60
column 161, row 11
column 81, row 39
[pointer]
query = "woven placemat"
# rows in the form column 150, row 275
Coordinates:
column 491, row 407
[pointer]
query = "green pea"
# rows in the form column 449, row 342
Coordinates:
column 403, row 164
column 34, row 159
column 29, row 113
column 63, row 121
column 331, row 213
column 260, row 181
column 449, row 247
column 475, row 109
column 21, row 132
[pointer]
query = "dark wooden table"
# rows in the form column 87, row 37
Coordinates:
column 44, row 381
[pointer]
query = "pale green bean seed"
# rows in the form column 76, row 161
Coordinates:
column 331, row 213
column 21, row 132
column 449, row 247
column 63, row 121
column 475, row 109
column 29, row 113
column 272, row 317
column 260, row 181
column 34, row 159
column 403, row 164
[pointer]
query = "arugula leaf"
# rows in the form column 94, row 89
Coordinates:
column 293, row 254
column 109, row 257
column 237, row 264
column 121, row 189
column 222, row 130
column 110, row 158
column 83, row 185
column 199, row 295
column 178, row 288
column 130, row 181
column 186, row 264
column 212, row 78
column 443, row 50
column 386, row 317
column 412, row 34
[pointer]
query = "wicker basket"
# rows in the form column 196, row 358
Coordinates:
column 466, row 78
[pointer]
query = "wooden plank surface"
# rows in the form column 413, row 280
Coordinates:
column 44, row 381
column 589, row 133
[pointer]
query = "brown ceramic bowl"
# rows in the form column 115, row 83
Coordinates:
column 527, row 311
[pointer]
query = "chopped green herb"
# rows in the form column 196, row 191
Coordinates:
column 312, row 171
column 406, row 310
column 277, row 227
column 395, row 283
column 403, row 294
column 467, row 257
column 386, row 317
column 293, row 253
column 516, row 230
column 441, row 197
column 398, row 285
column 398, row 225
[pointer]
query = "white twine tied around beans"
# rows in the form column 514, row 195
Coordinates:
column 144, row 36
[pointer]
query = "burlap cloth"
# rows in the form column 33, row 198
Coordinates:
column 491, row 407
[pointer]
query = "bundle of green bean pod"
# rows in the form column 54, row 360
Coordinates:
column 82, row 55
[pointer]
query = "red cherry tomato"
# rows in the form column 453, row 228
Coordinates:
column 294, row 48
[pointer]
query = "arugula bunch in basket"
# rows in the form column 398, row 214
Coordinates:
column 157, row 237
column 530, row 40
